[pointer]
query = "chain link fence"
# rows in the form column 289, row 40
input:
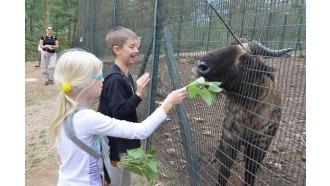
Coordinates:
column 175, row 35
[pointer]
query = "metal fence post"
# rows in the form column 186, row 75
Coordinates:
column 185, row 131
column 114, row 13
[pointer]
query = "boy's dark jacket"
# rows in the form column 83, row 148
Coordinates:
column 118, row 100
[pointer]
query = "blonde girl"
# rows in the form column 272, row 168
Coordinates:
column 78, row 75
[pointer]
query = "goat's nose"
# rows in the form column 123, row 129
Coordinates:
column 202, row 68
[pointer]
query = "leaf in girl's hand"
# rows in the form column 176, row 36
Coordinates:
column 213, row 87
column 192, row 91
column 207, row 90
column 206, row 95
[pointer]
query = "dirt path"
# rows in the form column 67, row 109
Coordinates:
column 41, row 163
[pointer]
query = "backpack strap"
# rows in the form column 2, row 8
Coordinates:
column 103, row 157
column 70, row 133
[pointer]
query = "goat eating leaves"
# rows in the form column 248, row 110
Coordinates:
column 253, row 111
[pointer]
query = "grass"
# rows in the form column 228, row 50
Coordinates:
column 39, row 95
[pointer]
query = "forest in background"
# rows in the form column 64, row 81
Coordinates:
column 186, row 23
column 60, row 14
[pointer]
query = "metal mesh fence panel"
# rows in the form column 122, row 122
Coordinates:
column 215, row 145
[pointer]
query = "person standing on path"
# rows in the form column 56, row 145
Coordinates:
column 48, row 44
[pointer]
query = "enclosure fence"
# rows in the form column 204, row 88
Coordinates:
column 175, row 35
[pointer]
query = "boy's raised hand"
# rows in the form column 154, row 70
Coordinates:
column 141, row 84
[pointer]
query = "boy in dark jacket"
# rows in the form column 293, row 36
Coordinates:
column 120, row 97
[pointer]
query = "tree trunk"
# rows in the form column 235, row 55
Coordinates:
column 69, row 31
column 47, row 14
column 74, row 33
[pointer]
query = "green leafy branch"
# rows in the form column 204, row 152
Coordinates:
column 142, row 163
column 207, row 90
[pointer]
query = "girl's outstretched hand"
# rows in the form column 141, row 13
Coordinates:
column 174, row 98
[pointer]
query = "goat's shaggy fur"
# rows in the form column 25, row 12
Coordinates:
column 253, row 111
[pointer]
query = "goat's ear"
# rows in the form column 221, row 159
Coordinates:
column 267, row 70
column 270, row 74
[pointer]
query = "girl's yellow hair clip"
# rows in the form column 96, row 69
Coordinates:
column 66, row 87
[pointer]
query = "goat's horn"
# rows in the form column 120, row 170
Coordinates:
column 258, row 49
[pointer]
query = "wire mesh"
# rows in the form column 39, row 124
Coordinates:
column 194, row 29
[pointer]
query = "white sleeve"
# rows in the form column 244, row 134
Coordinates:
column 97, row 123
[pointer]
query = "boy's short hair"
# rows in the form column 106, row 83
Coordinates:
column 118, row 36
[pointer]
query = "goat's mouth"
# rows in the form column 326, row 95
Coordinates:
column 201, row 69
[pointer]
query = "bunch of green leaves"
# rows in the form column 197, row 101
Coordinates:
column 142, row 163
column 207, row 90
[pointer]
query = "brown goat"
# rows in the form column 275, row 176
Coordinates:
column 253, row 111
